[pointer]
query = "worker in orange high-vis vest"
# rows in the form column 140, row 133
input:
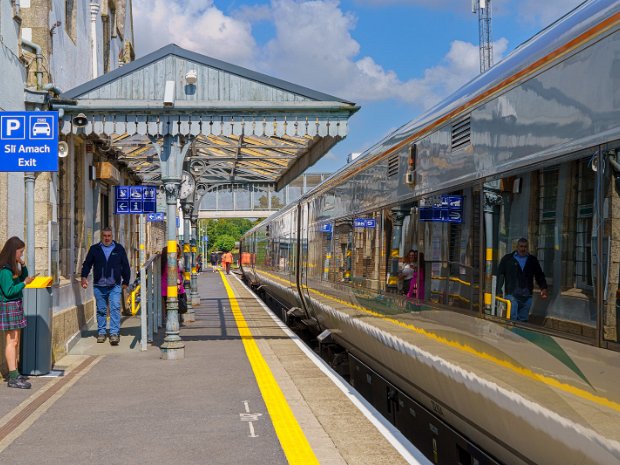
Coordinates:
column 227, row 260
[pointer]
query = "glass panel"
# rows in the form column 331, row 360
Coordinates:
column 343, row 243
column 224, row 198
column 261, row 199
column 366, row 258
column 242, row 197
column 295, row 189
column 553, row 209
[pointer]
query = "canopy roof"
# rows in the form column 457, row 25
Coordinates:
column 246, row 127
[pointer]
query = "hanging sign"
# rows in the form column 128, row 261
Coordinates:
column 135, row 200
column 29, row 141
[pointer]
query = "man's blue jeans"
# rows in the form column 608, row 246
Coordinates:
column 103, row 295
column 519, row 307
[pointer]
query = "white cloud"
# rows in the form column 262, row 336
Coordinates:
column 543, row 13
column 312, row 46
column 196, row 25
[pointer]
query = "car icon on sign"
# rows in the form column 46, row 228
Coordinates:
column 41, row 128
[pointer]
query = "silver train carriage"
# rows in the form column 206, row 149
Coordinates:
column 528, row 149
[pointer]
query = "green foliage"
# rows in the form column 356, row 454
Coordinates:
column 224, row 242
column 223, row 233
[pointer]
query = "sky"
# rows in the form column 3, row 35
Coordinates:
column 394, row 58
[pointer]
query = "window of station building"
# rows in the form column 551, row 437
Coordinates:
column 70, row 19
column 367, row 265
column 553, row 208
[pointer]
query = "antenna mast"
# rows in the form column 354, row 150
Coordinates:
column 483, row 8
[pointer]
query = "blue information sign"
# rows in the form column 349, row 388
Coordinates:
column 447, row 209
column 155, row 217
column 136, row 200
column 364, row 223
column 29, row 141
column 327, row 228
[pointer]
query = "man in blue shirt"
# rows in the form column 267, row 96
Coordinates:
column 111, row 274
column 518, row 270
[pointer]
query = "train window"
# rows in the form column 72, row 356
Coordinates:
column 449, row 228
column 367, row 251
column 553, row 209
column 343, row 250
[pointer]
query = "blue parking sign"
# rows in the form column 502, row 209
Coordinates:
column 29, row 141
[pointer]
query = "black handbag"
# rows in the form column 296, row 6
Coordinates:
column 182, row 299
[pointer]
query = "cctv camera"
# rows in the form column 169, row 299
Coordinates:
column 191, row 77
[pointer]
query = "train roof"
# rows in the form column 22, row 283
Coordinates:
column 545, row 48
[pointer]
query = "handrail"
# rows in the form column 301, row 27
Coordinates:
column 135, row 307
column 488, row 301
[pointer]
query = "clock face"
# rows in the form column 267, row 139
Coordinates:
column 187, row 185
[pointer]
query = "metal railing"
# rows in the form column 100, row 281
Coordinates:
column 150, row 299
column 150, row 302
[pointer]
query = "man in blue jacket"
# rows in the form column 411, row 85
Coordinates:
column 518, row 270
column 111, row 271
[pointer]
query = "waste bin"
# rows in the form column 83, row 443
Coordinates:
column 36, row 342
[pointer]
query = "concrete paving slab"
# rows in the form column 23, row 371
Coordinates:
column 130, row 407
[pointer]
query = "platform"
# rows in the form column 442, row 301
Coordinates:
column 247, row 392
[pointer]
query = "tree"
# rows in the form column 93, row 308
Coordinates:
column 224, row 242
column 232, row 227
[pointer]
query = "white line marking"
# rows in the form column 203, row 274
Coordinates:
column 249, row 417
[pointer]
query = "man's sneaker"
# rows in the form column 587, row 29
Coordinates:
column 23, row 377
column 114, row 339
column 100, row 338
column 18, row 383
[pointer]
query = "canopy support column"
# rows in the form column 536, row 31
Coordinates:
column 171, row 155
column 195, row 296
column 188, row 283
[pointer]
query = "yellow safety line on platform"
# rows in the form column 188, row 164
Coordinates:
column 291, row 436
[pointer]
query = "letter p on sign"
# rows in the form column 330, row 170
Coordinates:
column 13, row 127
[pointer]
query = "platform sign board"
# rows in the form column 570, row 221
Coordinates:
column 156, row 217
column 28, row 141
column 327, row 227
column 370, row 223
column 442, row 209
column 135, row 200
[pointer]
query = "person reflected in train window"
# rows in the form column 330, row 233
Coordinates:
column 408, row 270
column 517, row 271
column 416, row 283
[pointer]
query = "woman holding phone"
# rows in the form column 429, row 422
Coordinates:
column 13, row 279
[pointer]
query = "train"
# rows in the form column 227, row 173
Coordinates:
column 528, row 149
